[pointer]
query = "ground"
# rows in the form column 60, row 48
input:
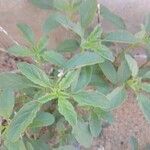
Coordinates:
column 129, row 119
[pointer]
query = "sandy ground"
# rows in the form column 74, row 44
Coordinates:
column 129, row 119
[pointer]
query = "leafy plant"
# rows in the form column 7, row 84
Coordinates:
column 76, row 98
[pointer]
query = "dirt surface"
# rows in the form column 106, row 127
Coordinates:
column 129, row 119
column 129, row 122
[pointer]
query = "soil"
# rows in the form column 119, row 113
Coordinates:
column 129, row 119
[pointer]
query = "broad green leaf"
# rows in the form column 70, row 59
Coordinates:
column 27, row 32
column 146, row 75
column 67, row 147
column 109, row 71
column 14, row 81
column 134, row 143
column 82, row 134
column 143, row 70
column 42, row 43
column 18, row 145
column 69, row 7
column 68, row 79
column 95, row 125
column 68, row 24
column 69, row 45
column 63, row 5
column 120, row 37
column 95, row 99
column 106, row 53
column 104, row 87
column 44, row 4
column 147, row 23
column 46, row 98
column 18, row 50
column 39, row 145
column 123, row 72
column 42, row 119
column 144, row 103
column 93, row 41
column 54, row 58
column 28, row 146
column 145, row 87
column 75, row 82
column 22, row 120
column 111, row 17
column 84, row 78
column 7, row 101
column 50, row 23
column 133, row 66
column 67, row 110
column 104, row 115
column 83, row 59
column 34, row 74
column 116, row 98
column 97, row 77
column 87, row 12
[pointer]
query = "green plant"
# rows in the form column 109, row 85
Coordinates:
column 74, row 100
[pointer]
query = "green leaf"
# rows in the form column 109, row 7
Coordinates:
column 68, row 24
column 22, row 120
column 147, row 23
column 95, row 99
column 46, row 98
column 83, row 59
column 39, row 145
column 134, row 143
column 44, row 4
column 84, row 78
column 42, row 119
column 28, row 146
column 123, row 72
column 67, row 110
column 68, row 79
column 50, row 23
column 34, row 74
column 144, row 103
column 18, row 51
column 7, row 101
column 82, row 134
column 146, row 75
column 66, row 147
column 63, row 5
column 104, row 88
column 68, row 45
column 18, row 145
column 14, row 81
column 145, row 87
column 120, row 37
column 109, row 71
column 42, row 43
column 69, row 7
column 95, row 125
column 133, row 66
column 54, row 58
column 27, row 32
column 93, row 41
column 116, row 98
column 104, row 115
column 111, row 17
column 106, row 53
column 87, row 12
column 143, row 71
